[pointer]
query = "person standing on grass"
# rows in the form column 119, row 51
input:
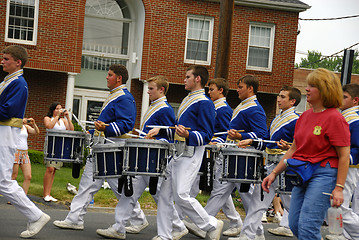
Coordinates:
column 13, row 99
column 22, row 159
column 53, row 120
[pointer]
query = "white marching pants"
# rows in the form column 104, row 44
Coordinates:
column 350, row 218
column 127, row 204
column 10, row 188
column 228, row 207
column 87, row 188
column 181, row 173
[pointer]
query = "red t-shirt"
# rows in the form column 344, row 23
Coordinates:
column 316, row 134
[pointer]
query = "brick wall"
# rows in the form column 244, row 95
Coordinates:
column 164, row 41
column 59, row 37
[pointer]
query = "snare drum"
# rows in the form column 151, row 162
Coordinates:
column 206, row 171
column 284, row 184
column 242, row 165
column 64, row 146
column 108, row 160
column 145, row 157
column 273, row 158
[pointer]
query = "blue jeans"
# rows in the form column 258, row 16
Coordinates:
column 309, row 205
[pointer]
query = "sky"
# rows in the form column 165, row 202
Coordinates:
column 329, row 36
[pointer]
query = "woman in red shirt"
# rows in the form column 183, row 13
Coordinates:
column 321, row 136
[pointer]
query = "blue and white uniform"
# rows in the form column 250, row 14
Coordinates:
column 250, row 117
column 158, row 113
column 223, row 117
column 13, row 99
column 282, row 127
column 119, row 111
column 196, row 112
column 350, row 215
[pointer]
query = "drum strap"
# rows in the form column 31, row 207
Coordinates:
column 153, row 185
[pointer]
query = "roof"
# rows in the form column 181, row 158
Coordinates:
column 284, row 5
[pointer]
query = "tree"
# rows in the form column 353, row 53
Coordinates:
column 316, row 60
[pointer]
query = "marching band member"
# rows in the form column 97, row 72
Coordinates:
column 197, row 113
column 321, row 141
column 282, row 131
column 119, row 112
column 250, row 117
column 13, row 98
column 350, row 218
column 158, row 113
column 218, row 89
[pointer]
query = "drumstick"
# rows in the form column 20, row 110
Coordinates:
column 221, row 133
column 89, row 122
column 77, row 120
column 165, row 127
column 140, row 132
column 133, row 135
column 268, row 141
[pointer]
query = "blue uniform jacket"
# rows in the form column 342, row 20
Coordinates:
column 250, row 117
column 197, row 112
column 119, row 111
column 282, row 127
column 352, row 119
column 223, row 117
column 159, row 113
column 13, row 99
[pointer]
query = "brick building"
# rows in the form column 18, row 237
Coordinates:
column 71, row 43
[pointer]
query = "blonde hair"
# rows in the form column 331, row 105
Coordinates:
column 161, row 81
column 329, row 86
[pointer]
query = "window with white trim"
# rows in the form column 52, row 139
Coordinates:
column 199, row 39
column 260, row 46
column 21, row 21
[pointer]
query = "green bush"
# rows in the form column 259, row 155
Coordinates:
column 36, row 157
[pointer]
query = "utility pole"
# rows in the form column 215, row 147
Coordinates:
column 224, row 38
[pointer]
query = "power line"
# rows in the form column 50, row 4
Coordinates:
column 324, row 19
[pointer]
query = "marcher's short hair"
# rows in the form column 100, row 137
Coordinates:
column 18, row 53
column 198, row 70
column 220, row 83
column 250, row 81
column 52, row 108
column 120, row 70
column 329, row 86
column 161, row 81
column 293, row 93
column 352, row 89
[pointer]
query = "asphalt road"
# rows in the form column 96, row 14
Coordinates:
column 12, row 223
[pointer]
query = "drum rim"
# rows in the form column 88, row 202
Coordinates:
column 145, row 141
column 64, row 132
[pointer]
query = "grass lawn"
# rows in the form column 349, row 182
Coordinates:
column 103, row 198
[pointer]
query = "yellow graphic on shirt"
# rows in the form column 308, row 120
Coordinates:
column 317, row 130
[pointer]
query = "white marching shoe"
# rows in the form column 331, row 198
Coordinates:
column 232, row 232
column 179, row 235
column 281, row 231
column 216, row 233
column 110, row 233
column 192, row 228
column 136, row 228
column 68, row 225
column 34, row 227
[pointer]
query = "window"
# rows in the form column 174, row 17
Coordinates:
column 199, row 39
column 260, row 47
column 21, row 21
